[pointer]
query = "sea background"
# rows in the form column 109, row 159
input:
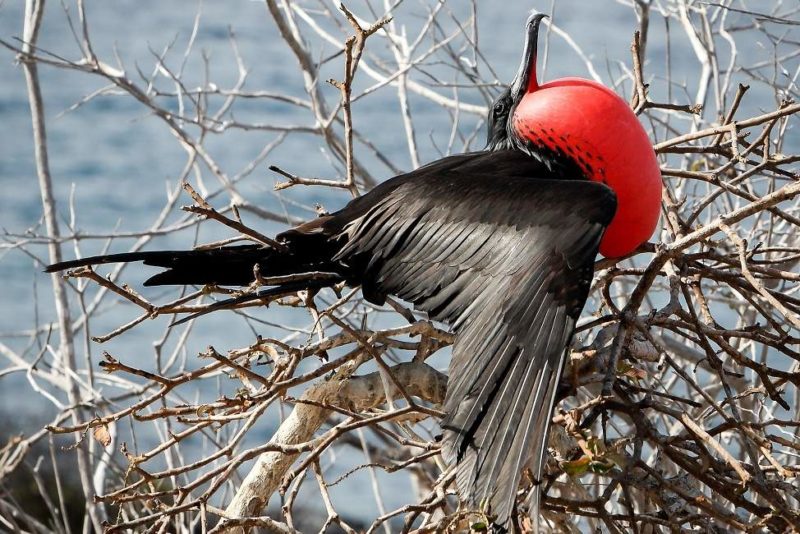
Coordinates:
column 113, row 161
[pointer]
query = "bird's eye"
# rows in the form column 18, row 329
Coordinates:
column 499, row 108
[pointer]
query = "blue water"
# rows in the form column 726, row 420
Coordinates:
column 118, row 160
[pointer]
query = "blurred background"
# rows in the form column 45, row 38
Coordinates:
column 116, row 165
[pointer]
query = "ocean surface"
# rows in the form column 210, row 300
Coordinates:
column 112, row 161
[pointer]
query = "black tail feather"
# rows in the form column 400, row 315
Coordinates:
column 226, row 266
column 223, row 266
column 124, row 257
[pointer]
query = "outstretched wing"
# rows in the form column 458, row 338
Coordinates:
column 507, row 259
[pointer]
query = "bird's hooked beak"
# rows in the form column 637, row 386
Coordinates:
column 525, row 81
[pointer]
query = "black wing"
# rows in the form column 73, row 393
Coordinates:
column 508, row 261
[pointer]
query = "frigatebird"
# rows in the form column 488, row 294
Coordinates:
column 499, row 244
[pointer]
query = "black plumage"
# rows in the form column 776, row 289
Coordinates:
column 499, row 244
column 505, row 255
column 491, row 243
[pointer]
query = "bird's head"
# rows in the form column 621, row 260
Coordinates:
column 582, row 129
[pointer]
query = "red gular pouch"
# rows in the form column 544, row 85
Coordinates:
column 589, row 123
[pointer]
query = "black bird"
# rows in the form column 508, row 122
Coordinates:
column 499, row 244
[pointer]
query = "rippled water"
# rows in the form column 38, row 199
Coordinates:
column 116, row 160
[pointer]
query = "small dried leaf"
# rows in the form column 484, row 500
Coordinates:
column 102, row 435
column 601, row 466
column 577, row 467
column 636, row 374
column 631, row 372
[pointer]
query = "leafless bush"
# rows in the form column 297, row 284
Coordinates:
column 684, row 374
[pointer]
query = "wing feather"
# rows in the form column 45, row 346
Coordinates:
column 506, row 259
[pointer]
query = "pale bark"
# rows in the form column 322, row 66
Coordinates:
column 356, row 394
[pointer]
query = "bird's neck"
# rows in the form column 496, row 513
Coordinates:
column 561, row 165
